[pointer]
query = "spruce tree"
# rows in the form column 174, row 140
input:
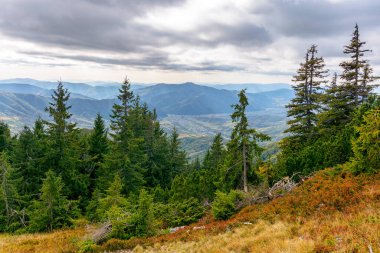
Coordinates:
column 10, row 200
column 121, row 131
column 52, row 210
column 357, row 74
column 124, row 157
column 366, row 147
column 27, row 156
column 304, row 108
column 5, row 137
column 216, row 154
column 177, row 157
column 143, row 218
column 65, row 152
column 60, row 127
column 336, row 111
column 244, row 140
column 98, row 141
column 113, row 197
column 98, row 148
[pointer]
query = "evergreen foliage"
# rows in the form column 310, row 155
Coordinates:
column 52, row 210
column 137, row 178
column 10, row 201
column 225, row 204
column 243, row 148
column 307, row 102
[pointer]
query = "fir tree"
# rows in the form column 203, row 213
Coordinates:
column 126, row 154
column 244, row 140
column 98, row 147
column 10, row 200
column 52, row 210
column 64, row 149
column 143, row 219
column 307, row 102
column 216, row 154
column 113, row 197
column 98, row 141
column 366, row 147
column 357, row 74
column 5, row 137
column 121, row 131
column 177, row 157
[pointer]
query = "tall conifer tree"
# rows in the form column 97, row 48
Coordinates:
column 244, row 140
column 307, row 102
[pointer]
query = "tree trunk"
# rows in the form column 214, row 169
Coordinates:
column 245, row 184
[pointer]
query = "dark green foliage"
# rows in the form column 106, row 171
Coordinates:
column 243, row 149
column 225, row 204
column 65, row 152
column 11, row 215
column 143, row 219
column 215, row 155
column 98, row 148
column 139, row 180
column 366, row 147
column 177, row 157
column 178, row 213
column 5, row 137
column 112, row 198
column 336, row 123
column 357, row 74
column 52, row 210
column 29, row 157
column 307, row 102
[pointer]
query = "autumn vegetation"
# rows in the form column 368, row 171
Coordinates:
column 125, row 187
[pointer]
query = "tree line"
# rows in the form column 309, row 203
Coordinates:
column 136, row 177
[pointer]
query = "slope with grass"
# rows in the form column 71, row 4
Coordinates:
column 331, row 212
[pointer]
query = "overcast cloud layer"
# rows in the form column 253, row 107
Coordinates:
column 177, row 40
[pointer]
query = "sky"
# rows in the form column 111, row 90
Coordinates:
column 203, row 41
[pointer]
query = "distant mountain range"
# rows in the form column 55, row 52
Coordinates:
column 22, row 95
column 197, row 111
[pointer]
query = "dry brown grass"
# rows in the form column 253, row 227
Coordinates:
column 331, row 212
column 259, row 237
column 328, row 213
column 57, row 241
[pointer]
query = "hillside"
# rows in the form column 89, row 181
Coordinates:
column 253, row 87
column 330, row 212
column 193, row 99
column 101, row 90
column 198, row 112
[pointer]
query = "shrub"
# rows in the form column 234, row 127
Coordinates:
column 119, row 220
column 367, row 146
column 225, row 204
column 87, row 246
column 178, row 213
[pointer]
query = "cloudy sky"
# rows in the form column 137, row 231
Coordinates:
column 208, row 41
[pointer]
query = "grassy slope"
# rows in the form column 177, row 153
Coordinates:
column 329, row 212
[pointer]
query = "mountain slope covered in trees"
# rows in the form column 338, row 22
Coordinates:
column 135, row 180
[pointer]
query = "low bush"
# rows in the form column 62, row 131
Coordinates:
column 226, row 204
column 178, row 213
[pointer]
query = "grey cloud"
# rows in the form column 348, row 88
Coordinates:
column 109, row 25
column 159, row 61
column 78, row 24
column 241, row 35
column 313, row 19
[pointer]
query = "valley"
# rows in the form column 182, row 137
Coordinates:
column 198, row 112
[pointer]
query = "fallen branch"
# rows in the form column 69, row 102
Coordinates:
column 281, row 187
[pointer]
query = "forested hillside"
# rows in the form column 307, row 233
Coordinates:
column 134, row 180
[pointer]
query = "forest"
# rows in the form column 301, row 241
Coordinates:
column 134, row 176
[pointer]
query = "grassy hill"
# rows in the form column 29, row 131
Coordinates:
column 330, row 212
